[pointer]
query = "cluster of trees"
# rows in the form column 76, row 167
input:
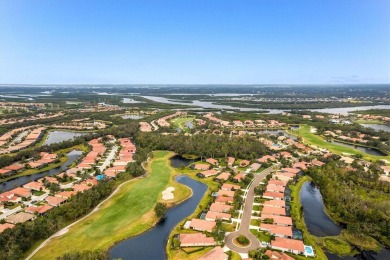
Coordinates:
column 205, row 145
column 85, row 255
column 356, row 198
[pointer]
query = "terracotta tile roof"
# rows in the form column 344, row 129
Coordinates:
column 223, row 200
column 214, row 216
column 223, row 176
column 277, row 182
column 226, row 193
column 215, row 254
column 66, row 194
column 227, row 186
column 81, row 187
column 277, row 230
column 55, row 201
column 39, row 209
column 277, row 188
column 20, row 217
column 34, row 185
column 288, row 244
column 5, row 226
column 21, row 192
column 275, row 203
column 217, row 207
column 273, row 255
column 212, row 161
column 202, row 225
column 274, row 195
column 195, row 239
column 209, row 173
column 273, row 210
column 201, row 166
column 231, row 160
column 278, row 220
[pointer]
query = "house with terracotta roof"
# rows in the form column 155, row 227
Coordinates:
column 22, row 192
column 273, row 195
column 273, row 211
column 196, row 239
column 288, row 245
column 223, row 176
column 202, row 225
column 276, row 230
column 34, row 185
column 238, row 177
column 81, row 187
column 40, row 210
column 227, row 186
column 5, row 173
column 275, row 188
column 273, row 255
column 275, row 203
column 215, row 254
column 277, row 182
column 317, row 163
column 6, row 226
column 255, row 166
column 214, row 216
column 55, row 201
column 212, row 161
column 290, row 170
column 230, row 161
column 20, row 217
column 267, row 158
column 65, row 194
column 207, row 173
column 48, row 179
column 14, row 167
column 226, row 193
column 224, row 200
column 217, row 207
column 201, row 166
column 244, row 163
column 278, row 220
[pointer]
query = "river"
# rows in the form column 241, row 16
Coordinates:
column 377, row 127
column 19, row 181
column 152, row 244
column 59, row 136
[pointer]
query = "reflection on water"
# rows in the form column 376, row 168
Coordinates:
column 59, row 136
column 361, row 148
column 378, row 127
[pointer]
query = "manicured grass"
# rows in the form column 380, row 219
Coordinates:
column 261, row 235
column 180, row 122
column 128, row 213
column 313, row 139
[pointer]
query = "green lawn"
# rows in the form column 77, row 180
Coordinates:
column 180, row 122
column 128, row 213
column 313, row 139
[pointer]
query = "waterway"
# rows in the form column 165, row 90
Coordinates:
column 19, row 181
column 151, row 244
column 316, row 220
column 178, row 161
column 59, row 136
column 319, row 224
column 378, row 127
column 367, row 150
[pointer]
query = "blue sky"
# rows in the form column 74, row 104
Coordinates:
column 194, row 42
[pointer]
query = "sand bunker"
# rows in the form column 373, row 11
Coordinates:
column 168, row 193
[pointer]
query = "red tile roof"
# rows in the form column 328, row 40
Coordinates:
column 202, row 225
column 288, row 244
column 195, row 239
column 277, row 230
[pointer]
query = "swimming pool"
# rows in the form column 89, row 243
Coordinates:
column 309, row 251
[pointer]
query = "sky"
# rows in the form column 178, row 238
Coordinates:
column 194, row 42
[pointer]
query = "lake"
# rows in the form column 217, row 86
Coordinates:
column 367, row 150
column 317, row 221
column 151, row 244
column 178, row 161
column 377, row 127
column 19, row 181
column 59, row 136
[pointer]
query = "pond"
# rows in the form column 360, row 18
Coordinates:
column 384, row 254
column 178, row 161
column 377, row 127
column 151, row 244
column 316, row 220
column 367, row 150
column 59, row 136
column 19, row 181
column 135, row 117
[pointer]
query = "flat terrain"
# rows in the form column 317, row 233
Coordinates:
column 180, row 122
column 127, row 213
column 313, row 139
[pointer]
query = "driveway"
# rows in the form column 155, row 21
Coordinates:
column 246, row 218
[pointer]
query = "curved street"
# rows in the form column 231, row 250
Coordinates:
column 246, row 218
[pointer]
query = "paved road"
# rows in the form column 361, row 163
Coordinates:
column 246, row 218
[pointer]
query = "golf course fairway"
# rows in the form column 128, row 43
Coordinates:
column 130, row 211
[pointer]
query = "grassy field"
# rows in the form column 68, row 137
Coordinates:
column 316, row 140
column 180, row 122
column 128, row 213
